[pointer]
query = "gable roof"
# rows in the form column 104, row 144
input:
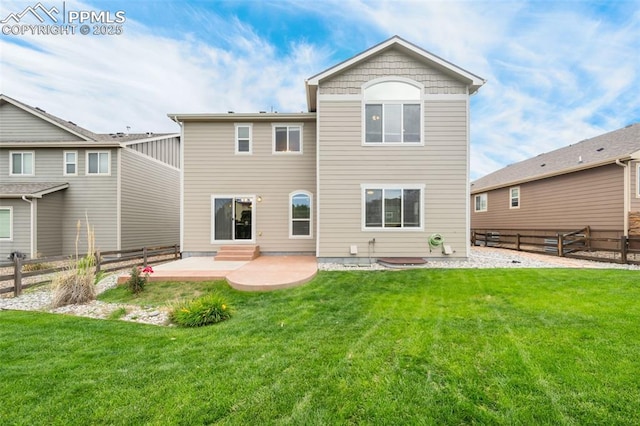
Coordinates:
column 33, row 190
column 473, row 81
column 622, row 144
column 88, row 137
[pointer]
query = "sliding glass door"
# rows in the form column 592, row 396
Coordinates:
column 233, row 218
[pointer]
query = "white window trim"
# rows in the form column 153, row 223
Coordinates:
column 213, row 219
column 301, row 237
column 65, row 163
column 33, row 163
column 87, row 163
column 486, row 204
column 287, row 125
column 10, row 208
column 402, row 186
column 638, row 180
column 511, row 197
column 250, row 126
column 366, row 101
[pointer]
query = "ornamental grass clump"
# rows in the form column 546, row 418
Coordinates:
column 209, row 309
column 76, row 285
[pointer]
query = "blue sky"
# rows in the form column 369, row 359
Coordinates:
column 557, row 71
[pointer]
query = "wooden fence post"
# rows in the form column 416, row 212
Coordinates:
column 144, row 257
column 98, row 260
column 17, row 276
column 560, row 245
column 587, row 235
column 175, row 251
column 623, row 249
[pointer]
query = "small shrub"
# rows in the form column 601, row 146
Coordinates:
column 86, row 263
column 205, row 310
column 72, row 287
column 137, row 280
column 117, row 314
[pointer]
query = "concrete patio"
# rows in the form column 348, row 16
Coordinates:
column 262, row 274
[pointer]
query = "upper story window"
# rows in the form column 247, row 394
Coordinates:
column 300, row 215
column 514, row 197
column 481, row 202
column 243, row 138
column 98, row 163
column 70, row 163
column 22, row 163
column 392, row 113
column 287, row 138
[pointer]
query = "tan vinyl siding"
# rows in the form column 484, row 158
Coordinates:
column 150, row 202
column 21, row 228
column 165, row 150
column 95, row 195
column 440, row 165
column 392, row 62
column 50, row 211
column 635, row 197
column 591, row 197
column 17, row 125
column 211, row 167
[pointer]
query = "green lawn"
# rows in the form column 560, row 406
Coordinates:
column 413, row 347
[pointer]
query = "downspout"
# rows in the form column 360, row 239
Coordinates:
column 32, row 227
column 627, row 201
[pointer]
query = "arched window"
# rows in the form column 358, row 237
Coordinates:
column 393, row 112
column 300, row 213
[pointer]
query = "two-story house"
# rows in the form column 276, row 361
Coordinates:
column 377, row 164
column 53, row 173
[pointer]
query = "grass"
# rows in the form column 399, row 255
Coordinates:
column 413, row 347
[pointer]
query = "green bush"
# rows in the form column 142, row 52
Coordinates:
column 137, row 280
column 209, row 309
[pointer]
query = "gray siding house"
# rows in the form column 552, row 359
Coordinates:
column 377, row 164
column 592, row 183
column 53, row 172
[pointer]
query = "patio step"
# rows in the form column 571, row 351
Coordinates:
column 238, row 253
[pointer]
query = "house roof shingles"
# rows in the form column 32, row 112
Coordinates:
column 604, row 149
column 36, row 189
column 90, row 137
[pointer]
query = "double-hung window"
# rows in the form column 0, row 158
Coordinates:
column 6, row 225
column 22, row 163
column 514, row 197
column 243, row 138
column 98, row 163
column 70, row 163
column 480, row 201
column 392, row 206
column 287, row 138
column 300, row 214
column 392, row 113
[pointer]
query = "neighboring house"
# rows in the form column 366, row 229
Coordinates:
column 53, row 172
column 592, row 183
column 377, row 164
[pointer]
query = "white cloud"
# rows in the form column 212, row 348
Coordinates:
column 557, row 72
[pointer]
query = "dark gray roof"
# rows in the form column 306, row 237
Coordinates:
column 603, row 149
column 36, row 189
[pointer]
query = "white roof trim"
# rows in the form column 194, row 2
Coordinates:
column 474, row 80
column 150, row 139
